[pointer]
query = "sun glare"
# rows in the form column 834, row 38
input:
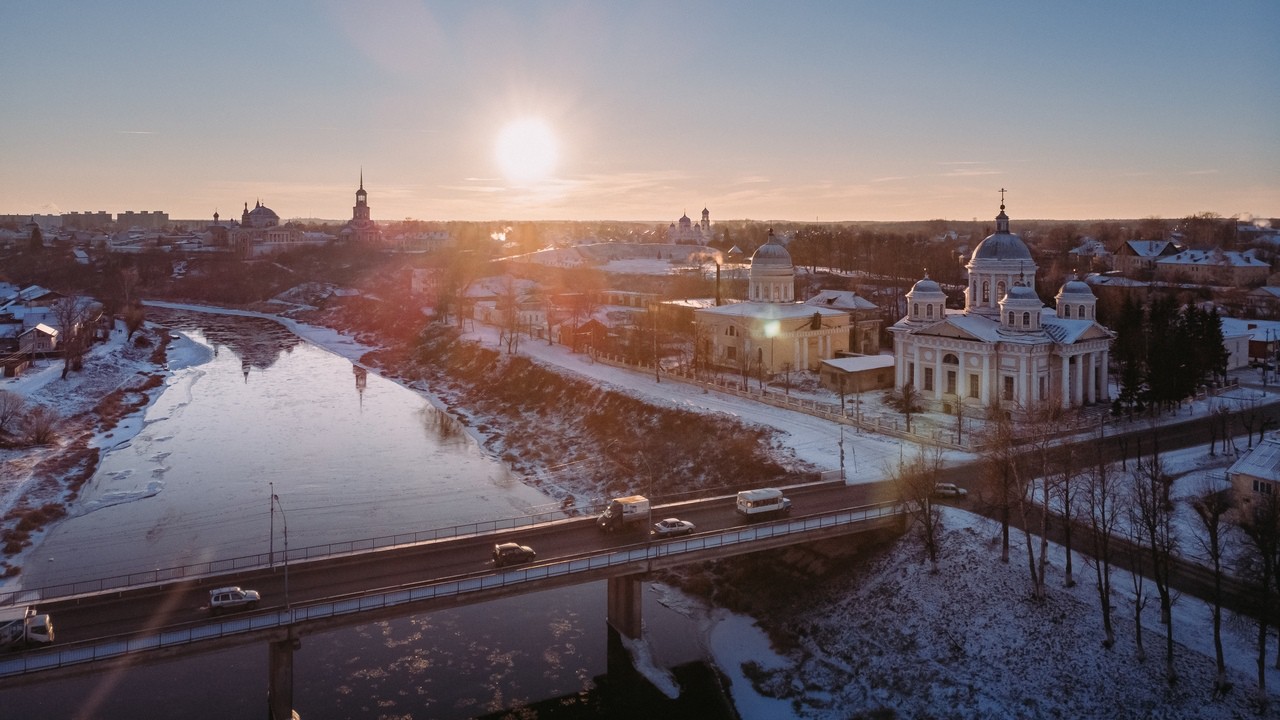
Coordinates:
column 526, row 151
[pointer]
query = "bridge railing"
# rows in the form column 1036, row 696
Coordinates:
column 30, row 596
column 56, row 657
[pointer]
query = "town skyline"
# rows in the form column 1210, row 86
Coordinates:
column 570, row 111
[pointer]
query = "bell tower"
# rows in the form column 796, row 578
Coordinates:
column 361, row 209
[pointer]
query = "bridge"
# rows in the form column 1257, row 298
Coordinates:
column 165, row 619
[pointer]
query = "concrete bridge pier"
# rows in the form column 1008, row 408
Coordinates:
column 280, row 680
column 624, row 605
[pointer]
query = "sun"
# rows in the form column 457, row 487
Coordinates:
column 526, row 151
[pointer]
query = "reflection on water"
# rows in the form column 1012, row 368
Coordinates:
column 257, row 342
column 194, row 484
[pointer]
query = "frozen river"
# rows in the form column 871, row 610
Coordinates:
column 350, row 455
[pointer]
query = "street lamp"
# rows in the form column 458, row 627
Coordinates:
column 771, row 330
column 275, row 503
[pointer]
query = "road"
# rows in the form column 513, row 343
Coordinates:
column 146, row 611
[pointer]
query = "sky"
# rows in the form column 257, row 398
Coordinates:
column 805, row 111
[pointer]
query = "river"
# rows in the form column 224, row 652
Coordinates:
column 350, row 455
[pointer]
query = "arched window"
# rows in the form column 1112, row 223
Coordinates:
column 928, row 310
column 950, row 359
column 915, row 310
column 1066, row 311
column 1010, row 318
column 1026, row 319
column 1000, row 290
column 986, row 291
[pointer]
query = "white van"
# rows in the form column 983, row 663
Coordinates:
column 765, row 502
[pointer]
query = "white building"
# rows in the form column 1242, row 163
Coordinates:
column 771, row 332
column 684, row 232
column 1005, row 347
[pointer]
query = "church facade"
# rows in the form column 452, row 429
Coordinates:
column 684, row 232
column 1005, row 349
column 771, row 332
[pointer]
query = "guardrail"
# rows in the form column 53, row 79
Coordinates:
column 49, row 659
column 264, row 560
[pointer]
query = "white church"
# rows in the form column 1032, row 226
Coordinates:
column 1005, row 348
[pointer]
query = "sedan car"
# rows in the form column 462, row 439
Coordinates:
column 949, row 490
column 671, row 527
column 512, row 554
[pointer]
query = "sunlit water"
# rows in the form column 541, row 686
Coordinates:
column 350, row 455
column 347, row 462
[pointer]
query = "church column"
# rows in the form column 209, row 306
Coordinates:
column 1066, row 381
column 1104, row 377
column 987, row 380
column 1077, row 382
column 1091, row 379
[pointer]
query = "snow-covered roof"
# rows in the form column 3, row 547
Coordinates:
column 1262, row 462
column 841, row 300
column 1269, row 290
column 1099, row 280
column 1260, row 330
column 1229, row 258
column 778, row 311
column 860, row 362
column 1148, row 248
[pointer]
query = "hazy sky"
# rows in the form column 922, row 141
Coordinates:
column 844, row 110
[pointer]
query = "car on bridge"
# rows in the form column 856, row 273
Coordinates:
column 949, row 490
column 512, row 554
column 671, row 527
column 232, row 598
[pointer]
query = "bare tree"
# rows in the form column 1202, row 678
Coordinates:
column 134, row 316
column 1212, row 504
column 1137, row 556
column 72, row 313
column 1066, row 483
column 905, row 400
column 1102, row 503
column 1154, row 515
column 1000, row 485
column 913, row 481
column 40, row 423
column 11, row 407
column 1257, row 565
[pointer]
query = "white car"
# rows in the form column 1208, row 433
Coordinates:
column 232, row 598
column 671, row 527
column 949, row 490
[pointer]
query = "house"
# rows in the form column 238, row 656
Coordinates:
column 38, row 340
column 1250, row 341
column 1256, row 474
column 864, row 318
column 1264, row 301
column 1226, row 268
column 1138, row 257
column 857, row 373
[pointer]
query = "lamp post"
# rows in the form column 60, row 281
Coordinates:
column 275, row 503
column 771, row 330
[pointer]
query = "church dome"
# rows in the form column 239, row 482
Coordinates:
column 1022, row 292
column 1002, row 244
column 1076, row 288
column 926, row 287
column 772, row 254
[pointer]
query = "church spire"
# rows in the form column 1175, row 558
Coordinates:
column 1002, row 220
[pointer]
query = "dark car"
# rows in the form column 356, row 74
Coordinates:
column 512, row 554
